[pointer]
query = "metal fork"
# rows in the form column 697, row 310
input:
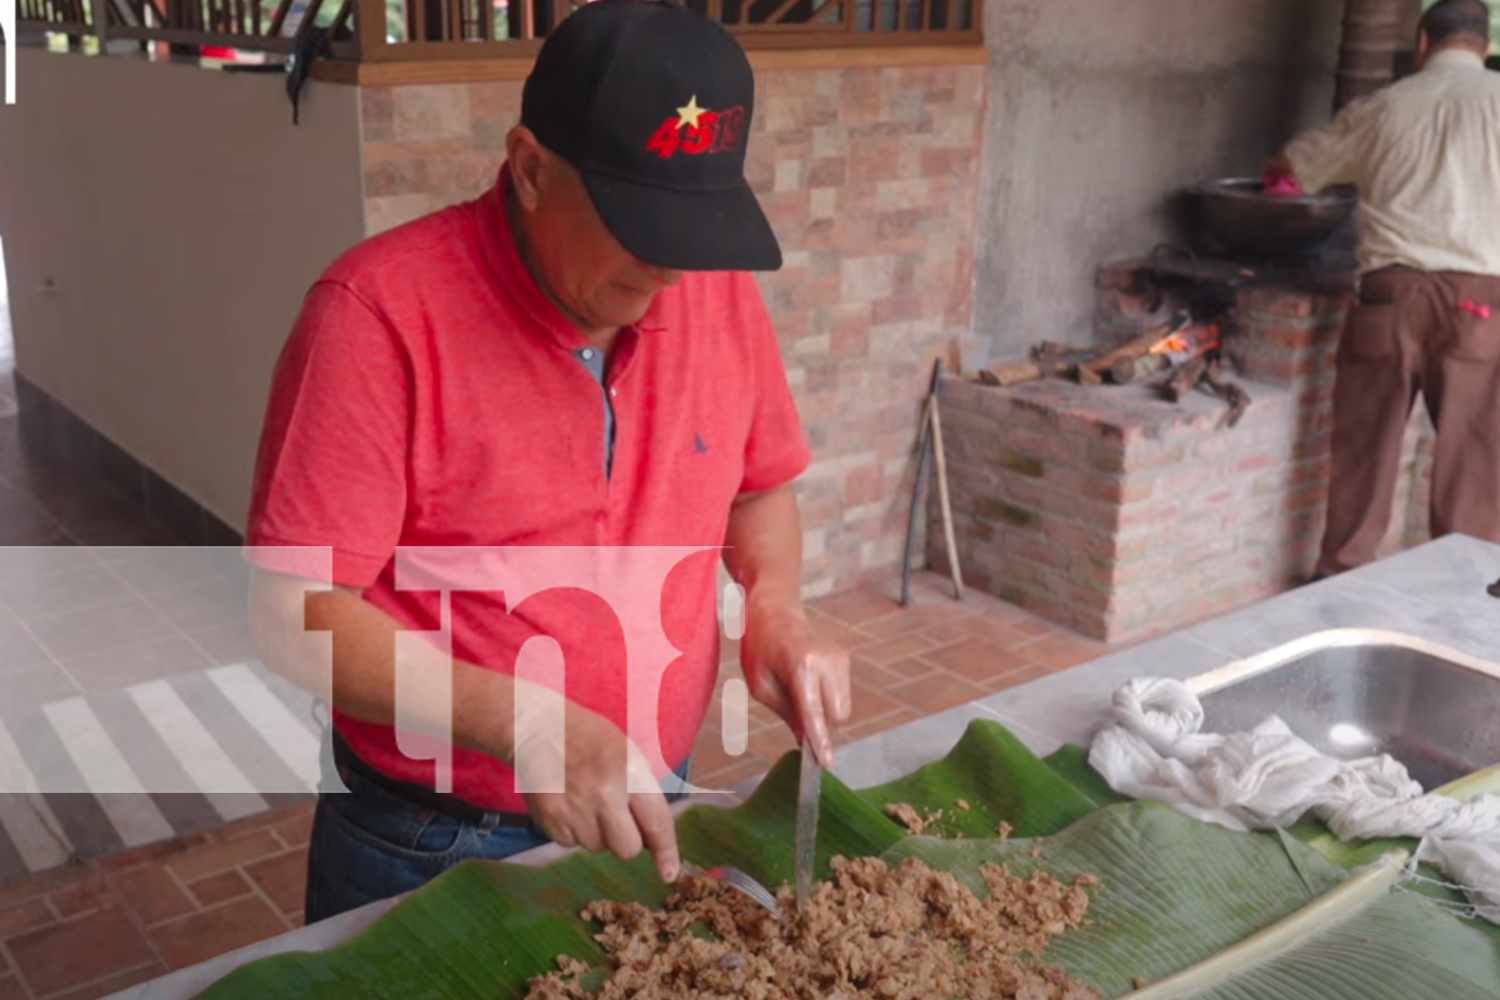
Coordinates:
column 737, row 879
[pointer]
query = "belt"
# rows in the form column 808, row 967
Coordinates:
column 422, row 796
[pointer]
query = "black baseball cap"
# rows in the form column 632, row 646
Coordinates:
column 652, row 103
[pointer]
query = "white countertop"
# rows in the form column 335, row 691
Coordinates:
column 1435, row 593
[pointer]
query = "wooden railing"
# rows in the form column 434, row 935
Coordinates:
column 199, row 27
column 429, row 21
column 65, row 17
column 410, row 30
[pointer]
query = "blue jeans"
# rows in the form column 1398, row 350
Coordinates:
column 369, row 844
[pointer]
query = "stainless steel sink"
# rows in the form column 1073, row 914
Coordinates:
column 1353, row 693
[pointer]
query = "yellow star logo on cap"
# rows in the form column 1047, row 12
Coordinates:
column 689, row 115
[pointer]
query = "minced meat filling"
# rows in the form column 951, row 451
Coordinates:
column 916, row 824
column 903, row 933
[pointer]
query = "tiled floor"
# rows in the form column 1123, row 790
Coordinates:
column 88, row 929
column 109, row 640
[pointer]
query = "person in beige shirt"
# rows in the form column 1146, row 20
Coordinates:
column 1425, row 156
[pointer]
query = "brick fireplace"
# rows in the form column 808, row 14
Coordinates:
column 1118, row 514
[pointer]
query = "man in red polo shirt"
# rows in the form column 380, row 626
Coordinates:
column 545, row 414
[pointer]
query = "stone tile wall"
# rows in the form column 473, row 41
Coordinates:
column 870, row 177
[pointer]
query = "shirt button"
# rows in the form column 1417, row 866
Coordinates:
column 587, row 354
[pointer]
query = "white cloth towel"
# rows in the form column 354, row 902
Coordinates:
column 1270, row 778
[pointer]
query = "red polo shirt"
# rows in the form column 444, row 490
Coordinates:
column 431, row 396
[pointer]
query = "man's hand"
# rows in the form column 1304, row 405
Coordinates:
column 1279, row 165
column 798, row 675
column 599, row 766
column 791, row 670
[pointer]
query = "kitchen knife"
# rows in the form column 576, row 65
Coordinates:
column 809, row 795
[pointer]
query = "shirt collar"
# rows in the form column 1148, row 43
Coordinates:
column 1454, row 59
column 506, row 263
column 511, row 271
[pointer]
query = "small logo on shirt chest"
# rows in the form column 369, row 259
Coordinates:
column 700, row 446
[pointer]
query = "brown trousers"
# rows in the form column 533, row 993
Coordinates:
column 1407, row 335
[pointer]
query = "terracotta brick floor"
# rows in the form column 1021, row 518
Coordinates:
column 907, row 662
column 88, row 930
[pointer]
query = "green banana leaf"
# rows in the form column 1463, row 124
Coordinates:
column 999, row 779
column 747, row 837
column 989, row 769
column 1175, row 892
column 1072, row 763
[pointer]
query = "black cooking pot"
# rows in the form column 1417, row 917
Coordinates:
column 1237, row 214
